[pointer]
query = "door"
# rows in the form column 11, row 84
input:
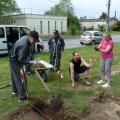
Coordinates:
column 3, row 40
column 12, row 35
column 97, row 37
column 24, row 31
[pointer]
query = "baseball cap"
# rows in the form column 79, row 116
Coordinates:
column 35, row 35
column 55, row 31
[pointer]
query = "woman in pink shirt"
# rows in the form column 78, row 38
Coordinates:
column 106, row 49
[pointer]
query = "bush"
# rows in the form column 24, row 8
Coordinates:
column 116, row 27
column 72, row 30
column 101, row 28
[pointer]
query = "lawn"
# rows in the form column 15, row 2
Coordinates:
column 78, row 98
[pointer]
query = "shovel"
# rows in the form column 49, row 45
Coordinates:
column 56, row 102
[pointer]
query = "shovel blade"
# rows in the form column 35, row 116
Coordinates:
column 56, row 103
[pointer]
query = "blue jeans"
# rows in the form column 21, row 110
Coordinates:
column 106, row 67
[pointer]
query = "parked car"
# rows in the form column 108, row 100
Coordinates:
column 9, row 34
column 91, row 37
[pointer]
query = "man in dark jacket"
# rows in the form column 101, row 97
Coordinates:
column 18, row 55
column 56, row 46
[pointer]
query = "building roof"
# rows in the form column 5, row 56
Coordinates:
column 96, row 20
column 38, row 15
column 5, row 25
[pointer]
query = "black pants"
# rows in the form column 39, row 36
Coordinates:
column 55, row 61
column 17, row 85
column 81, row 70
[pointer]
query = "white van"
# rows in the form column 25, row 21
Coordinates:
column 9, row 34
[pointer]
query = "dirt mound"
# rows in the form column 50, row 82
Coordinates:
column 103, row 107
column 39, row 110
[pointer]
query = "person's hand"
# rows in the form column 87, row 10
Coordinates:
column 73, row 85
column 21, row 71
column 22, row 75
column 96, row 49
column 90, row 65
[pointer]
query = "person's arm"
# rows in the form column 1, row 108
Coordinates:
column 72, row 72
column 62, row 44
column 21, row 54
column 49, row 44
column 85, row 63
column 109, row 47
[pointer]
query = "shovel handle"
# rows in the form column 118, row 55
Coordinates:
column 44, row 84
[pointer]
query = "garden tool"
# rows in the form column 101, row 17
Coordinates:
column 56, row 102
column 4, row 86
column 24, row 81
column 59, row 73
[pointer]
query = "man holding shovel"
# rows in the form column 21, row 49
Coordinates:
column 18, row 55
column 76, row 69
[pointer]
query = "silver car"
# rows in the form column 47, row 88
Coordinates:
column 91, row 37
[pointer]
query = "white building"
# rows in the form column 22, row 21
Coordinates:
column 41, row 23
column 94, row 23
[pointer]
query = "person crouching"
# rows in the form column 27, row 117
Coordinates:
column 76, row 69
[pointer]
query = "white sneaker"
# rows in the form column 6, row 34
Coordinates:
column 14, row 94
column 101, row 82
column 106, row 85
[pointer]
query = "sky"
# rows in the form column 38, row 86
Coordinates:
column 89, row 8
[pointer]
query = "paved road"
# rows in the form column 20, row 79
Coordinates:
column 73, row 43
column 116, row 38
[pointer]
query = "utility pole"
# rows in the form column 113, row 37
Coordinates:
column 108, row 15
column 115, row 14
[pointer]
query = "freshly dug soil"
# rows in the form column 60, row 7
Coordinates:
column 104, row 106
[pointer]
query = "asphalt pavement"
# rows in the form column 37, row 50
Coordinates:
column 74, row 43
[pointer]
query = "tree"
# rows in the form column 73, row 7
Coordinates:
column 103, row 16
column 8, row 6
column 65, row 8
column 62, row 8
column 116, row 26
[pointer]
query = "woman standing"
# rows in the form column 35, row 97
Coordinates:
column 106, row 49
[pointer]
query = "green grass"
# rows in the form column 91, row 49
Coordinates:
column 115, row 32
column 76, row 98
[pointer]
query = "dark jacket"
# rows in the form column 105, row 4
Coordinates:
column 56, row 45
column 20, row 50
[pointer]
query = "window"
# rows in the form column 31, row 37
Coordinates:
column 2, row 34
column 86, row 34
column 96, row 34
column 48, row 27
column 101, row 34
column 41, row 31
column 24, row 31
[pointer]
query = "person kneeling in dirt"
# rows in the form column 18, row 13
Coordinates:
column 76, row 69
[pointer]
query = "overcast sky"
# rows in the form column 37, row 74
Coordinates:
column 89, row 8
